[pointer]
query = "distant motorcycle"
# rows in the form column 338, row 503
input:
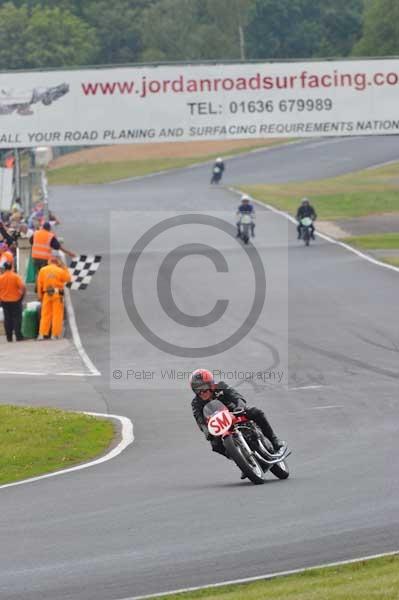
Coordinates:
column 245, row 443
column 306, row 224
column 244, row 227
column 216, row 174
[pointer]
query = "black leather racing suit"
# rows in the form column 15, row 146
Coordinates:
column 220, row 165
column 233, row 400
column 305, row 210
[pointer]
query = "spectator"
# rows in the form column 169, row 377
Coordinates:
column 43, row 243
column 12, row 291
column 17, row 206
column 5, row 255
column 50, row 290
column 53, row 219
column 37, row 215
column 24, row 232
column 15, row 219
column 5, row 234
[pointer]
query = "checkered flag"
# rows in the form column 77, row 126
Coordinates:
column 82, row 270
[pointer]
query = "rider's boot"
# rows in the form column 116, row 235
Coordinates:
column 277, row 444
column 260, row 419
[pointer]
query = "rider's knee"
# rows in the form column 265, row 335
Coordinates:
column 253, row 412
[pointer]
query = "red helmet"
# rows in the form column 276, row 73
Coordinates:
column 201, row 379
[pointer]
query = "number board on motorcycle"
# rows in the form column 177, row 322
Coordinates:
column 220, row 422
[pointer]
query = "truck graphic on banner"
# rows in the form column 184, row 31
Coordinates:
column 20, row 101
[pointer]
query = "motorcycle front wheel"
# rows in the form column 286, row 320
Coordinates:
column 280, row 469
column 248, row 465
column 306, row 237
column 245, row 234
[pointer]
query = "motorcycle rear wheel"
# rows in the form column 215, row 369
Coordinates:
column 235, row 452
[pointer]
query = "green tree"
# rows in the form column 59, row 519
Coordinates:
column 168, row 31
column 194, row 29
column 41, row 38
column 118, row 28
column 55, row 38
column 303, row 28
column 342, row 24
column 114, row 29
column 13, row 22
column 380, row 30
column 228, row 19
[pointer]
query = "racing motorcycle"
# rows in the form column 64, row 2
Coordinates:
column 245, row 443
column 306, row 229
column 245, row 224
column 216, row 174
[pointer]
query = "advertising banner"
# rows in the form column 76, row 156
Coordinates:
column 199, row 102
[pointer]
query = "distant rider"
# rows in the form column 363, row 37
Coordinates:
column 218, row 168
column 246, row 208
column 305, row 210
column 219, row 163
column 203, row 385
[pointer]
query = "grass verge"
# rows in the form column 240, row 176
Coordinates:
column 105, row 172
column 373, row 191
column 112, row 171
column 376, row 579
column 35, row 441
column 391, row 260
column 379, row 241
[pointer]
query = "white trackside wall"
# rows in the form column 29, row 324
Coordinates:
column 199, row 102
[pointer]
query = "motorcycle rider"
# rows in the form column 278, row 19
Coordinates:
column 203, row 385
column 220, row 167
column 246, row 208
column 305, row 210
column 219, row 163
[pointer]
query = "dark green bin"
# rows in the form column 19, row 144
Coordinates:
column 30, row 323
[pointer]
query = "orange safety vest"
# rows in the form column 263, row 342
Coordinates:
column 41, row 244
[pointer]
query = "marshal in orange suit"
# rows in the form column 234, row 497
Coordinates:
column 50, row 290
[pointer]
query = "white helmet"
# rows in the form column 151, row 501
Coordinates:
column 219, row 159
column 245, row 198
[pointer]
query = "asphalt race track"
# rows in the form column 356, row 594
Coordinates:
column 167, row 513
